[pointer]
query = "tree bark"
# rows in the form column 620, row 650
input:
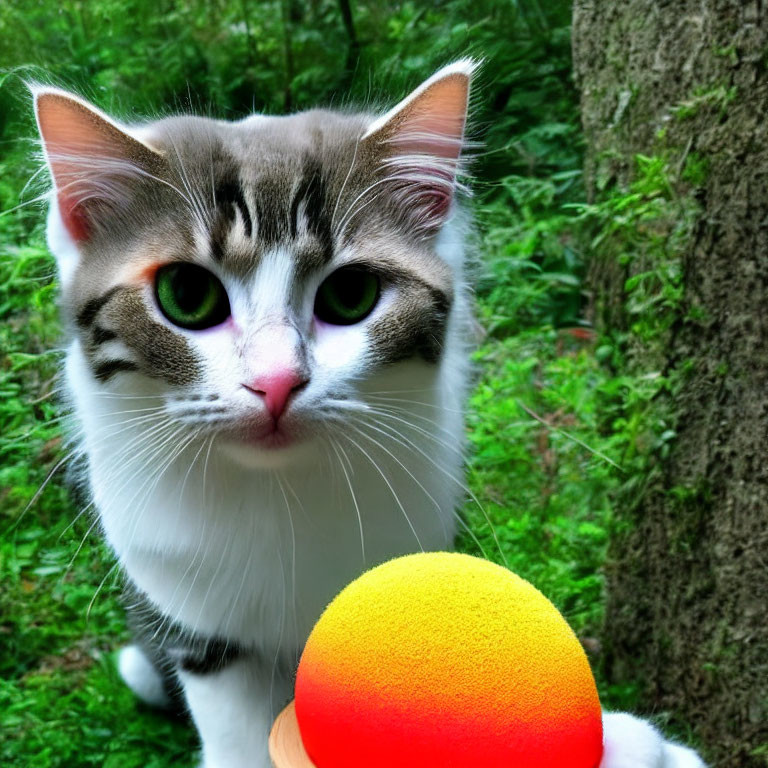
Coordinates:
column 285, row 6
column 353, row 52
column 687, row 581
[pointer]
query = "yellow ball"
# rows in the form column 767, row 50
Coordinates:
column 442, row 659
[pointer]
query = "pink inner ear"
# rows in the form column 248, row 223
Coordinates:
column 434, row 123
column 425, row 138
column 74, row 217
column 89, row 158
column 68, row 136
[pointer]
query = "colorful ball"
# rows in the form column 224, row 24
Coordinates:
column 443, row 660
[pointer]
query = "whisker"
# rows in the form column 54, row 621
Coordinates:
column 120, row 396
column 344, row 184
column 282, row 619
column 382, row 411
column 461, row 485
column 38, row 199
column 152, row 480
column 87, row 533
column 236, row 600
column 455, row 514
column 42, row 487
column 200, row 214
column 337, row 448
column 212, row 580
column 415, row 402
column 98, row 589
column 568, row 435
column 178, row 586
column 405, row 469
column 180, row 610
column 389, row 485
column 347, row 220
column 205, row 466
column 293, row 553
column 88, row 506
column 391, row 413
column 80, row 546
column 392, row 455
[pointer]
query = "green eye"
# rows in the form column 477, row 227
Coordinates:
column 347, row 296
column 190, row 296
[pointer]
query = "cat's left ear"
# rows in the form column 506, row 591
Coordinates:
column 95, row 163
column 418, row 143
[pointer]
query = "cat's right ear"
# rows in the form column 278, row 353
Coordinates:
column 94, row 162
column 418, row 144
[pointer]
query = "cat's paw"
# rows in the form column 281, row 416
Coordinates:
column 634, row 743
column 141, row 676
column 251, row 761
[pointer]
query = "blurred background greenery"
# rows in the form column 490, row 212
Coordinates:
column 545, row 427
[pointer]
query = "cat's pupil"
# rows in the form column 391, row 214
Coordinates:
column 350, row 288
column 347, row 296
column 189, row 289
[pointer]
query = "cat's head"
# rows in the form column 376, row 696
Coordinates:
column 257, row 276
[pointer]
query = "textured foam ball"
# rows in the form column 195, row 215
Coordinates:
column 443, row 660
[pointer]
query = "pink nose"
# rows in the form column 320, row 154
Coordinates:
column 276, row 388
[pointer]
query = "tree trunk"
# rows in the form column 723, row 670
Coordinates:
column 285, row 6
column 353, row 52
column 687, row 580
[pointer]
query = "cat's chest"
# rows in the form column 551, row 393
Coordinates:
column 258, row 564
column 256, row 555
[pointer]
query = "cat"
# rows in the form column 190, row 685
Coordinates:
column 270, row 325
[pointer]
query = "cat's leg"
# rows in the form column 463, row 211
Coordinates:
column 234, row 708
column 634, row 743
column 146, row 665
column 143, row 677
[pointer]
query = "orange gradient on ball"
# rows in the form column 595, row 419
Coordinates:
column 444, row 660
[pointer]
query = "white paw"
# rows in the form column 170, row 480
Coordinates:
column 681, row 757
column 140, row 675
column 251, row 761
column 634, row 743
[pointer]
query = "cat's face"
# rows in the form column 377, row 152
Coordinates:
column 257, row 277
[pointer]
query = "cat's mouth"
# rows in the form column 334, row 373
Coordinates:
column 269, row 446
column 272, row 436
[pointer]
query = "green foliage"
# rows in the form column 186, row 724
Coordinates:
column 643, row 229
column 534, row 272
column 718, row 97
column 539, row 469
column 554, row 412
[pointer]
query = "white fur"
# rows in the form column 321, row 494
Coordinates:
column 234, row 710
column 463, row 67
column 634, row 743
column 141, row 677
column 61, row 245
